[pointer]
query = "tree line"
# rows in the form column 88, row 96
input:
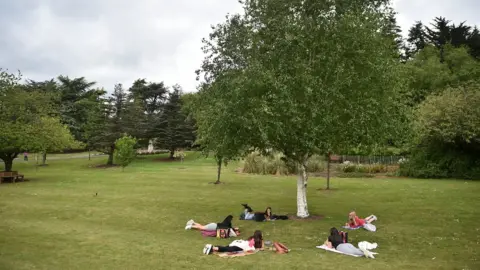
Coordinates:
column 65, row 113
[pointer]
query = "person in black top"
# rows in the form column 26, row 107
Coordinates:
column 335, row 240
column 249, row 214
column 225, row 224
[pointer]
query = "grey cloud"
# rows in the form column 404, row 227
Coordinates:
column 111, row 41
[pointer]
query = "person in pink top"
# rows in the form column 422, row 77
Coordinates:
column 252, row 243
column 354, row 221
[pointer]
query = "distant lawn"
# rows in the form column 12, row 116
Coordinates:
column 137, row 221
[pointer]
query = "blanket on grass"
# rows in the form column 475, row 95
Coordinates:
column 336, row 251
column 234, row 254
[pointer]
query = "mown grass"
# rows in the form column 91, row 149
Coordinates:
column 137, row 221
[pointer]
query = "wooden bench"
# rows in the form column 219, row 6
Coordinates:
column 13, row 175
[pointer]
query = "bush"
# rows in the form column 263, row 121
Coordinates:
column 446, row 136
column 441, row 160
column 125, row 151
column 348, row 167
column 257, row 164
column 355, row 175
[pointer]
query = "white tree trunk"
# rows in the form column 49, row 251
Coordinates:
column 302, row 207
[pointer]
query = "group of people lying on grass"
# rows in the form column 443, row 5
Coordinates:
column 336, row 240
column 249, row 214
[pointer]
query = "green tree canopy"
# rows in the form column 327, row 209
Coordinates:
column 26, row 122
column 310, row 77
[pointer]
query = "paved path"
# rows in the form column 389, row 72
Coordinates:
column 32, row 158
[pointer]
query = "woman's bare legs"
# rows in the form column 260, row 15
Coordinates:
column 193, row 225
column 198, row 226
column 370, row 219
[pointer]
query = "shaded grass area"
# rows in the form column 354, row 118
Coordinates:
column 137, row 221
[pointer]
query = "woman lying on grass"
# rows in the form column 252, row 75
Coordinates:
column 354, row 221
column 225, row 224
column 336, row 241
column 252, row 243
column 248, row 214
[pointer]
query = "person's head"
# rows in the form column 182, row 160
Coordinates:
column 268, row 212
column 237, row 231
column 334, row 231
column 258, row 238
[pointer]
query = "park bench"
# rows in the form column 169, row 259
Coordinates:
column 11, row 175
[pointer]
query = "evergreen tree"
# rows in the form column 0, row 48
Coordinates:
column 174, row 131
column 150, row 99
column 416, row 39
column 107, row 122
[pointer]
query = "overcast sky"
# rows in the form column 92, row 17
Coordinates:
column 118, row 41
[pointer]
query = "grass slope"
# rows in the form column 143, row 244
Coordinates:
column 137, row 220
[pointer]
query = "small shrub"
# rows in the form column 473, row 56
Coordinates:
column 125, row 151
column 347, row 167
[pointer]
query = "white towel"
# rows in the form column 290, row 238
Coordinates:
column 336, row 251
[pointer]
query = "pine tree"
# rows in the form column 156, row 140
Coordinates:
column 416, row 39
column 108, row 122
column 173, row 130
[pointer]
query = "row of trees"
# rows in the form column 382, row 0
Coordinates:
column 66, row 113
column 319, row 77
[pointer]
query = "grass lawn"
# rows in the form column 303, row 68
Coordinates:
column 137, row 221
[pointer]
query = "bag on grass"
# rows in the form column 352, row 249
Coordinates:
column 344, row 236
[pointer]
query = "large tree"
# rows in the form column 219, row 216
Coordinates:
column 146, row 104
column 107, row 122
column 316, row 77
column 416, row 39
column 25, row 121
column 173, row 130
column 226, row 138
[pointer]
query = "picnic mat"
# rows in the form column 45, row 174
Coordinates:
column 336, row 251
column 234, row 254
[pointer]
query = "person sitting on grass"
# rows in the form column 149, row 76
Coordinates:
column 354, row 221
column 336, row 241
column 248, row 214
column 251, row 244
column 225, row 224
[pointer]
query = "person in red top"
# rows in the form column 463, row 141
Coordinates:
column 354, row 221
